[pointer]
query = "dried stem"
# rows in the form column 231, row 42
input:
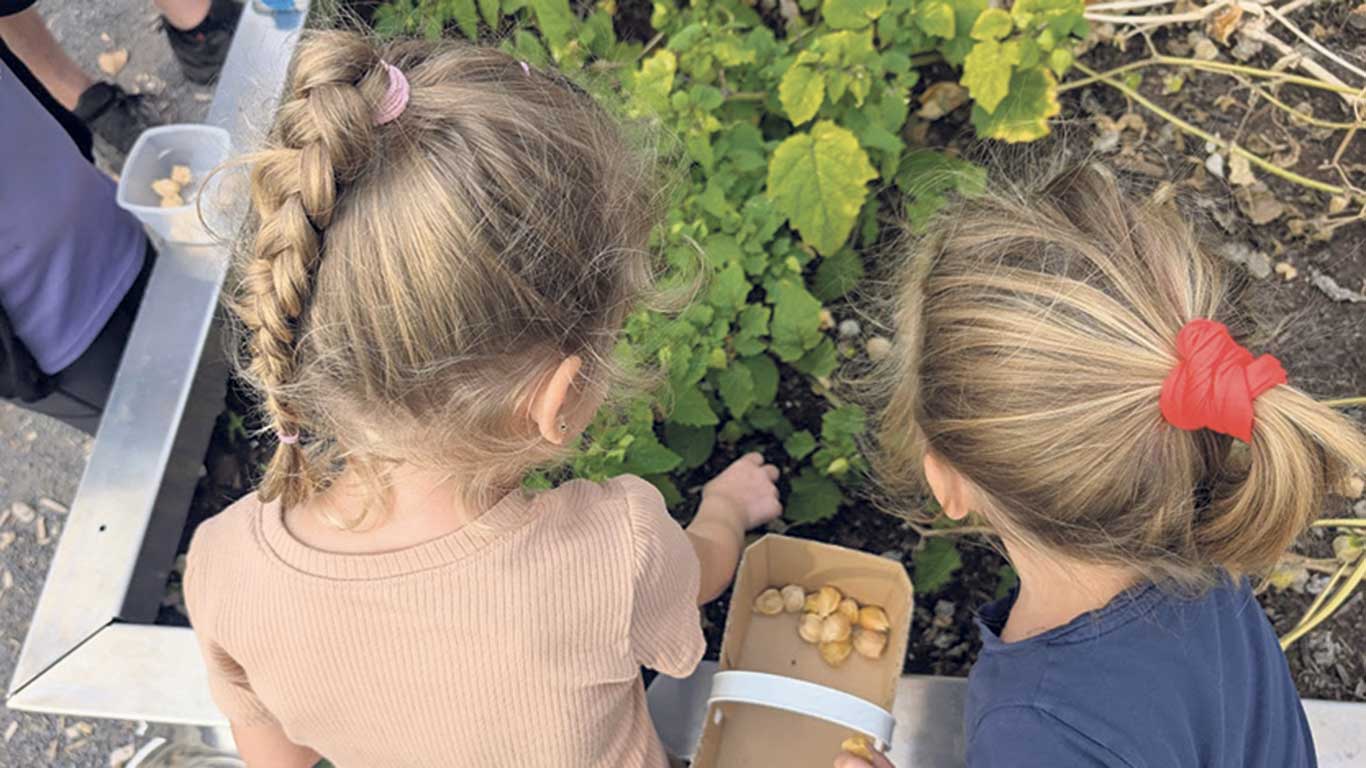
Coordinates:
column 1233, row 148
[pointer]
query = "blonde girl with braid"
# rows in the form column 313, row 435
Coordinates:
column 1063, row 371
column 443, row 245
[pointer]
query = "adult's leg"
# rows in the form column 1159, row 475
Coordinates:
column 200, row 33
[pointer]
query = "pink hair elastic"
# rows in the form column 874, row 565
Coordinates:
column 395, row 98
column 287, row 438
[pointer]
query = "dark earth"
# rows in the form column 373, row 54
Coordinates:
column 1321, row 338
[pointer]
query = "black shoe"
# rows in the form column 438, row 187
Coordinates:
column 116, row 118
column 201, row 50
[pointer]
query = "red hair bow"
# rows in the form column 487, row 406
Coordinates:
column 1215, row 381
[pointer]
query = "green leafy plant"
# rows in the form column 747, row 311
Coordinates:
column 791, row 137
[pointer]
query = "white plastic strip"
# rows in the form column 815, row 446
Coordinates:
column 803, row 698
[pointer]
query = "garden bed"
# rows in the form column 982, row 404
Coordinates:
column 1306, row 314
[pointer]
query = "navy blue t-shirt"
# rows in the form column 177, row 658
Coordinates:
column 1152, row 680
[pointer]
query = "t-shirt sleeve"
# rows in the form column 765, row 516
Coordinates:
column 666, row 628
column 228, row 683
column 1029, row 737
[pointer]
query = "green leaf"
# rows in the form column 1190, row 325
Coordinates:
column 818, row 180
column 796, row 325
column 1006, row 579
column 491, row 12
column 668, row 489
column 764, row 373
column 466, row 17
column 648, row 456
column 935, row 565
column 736, row 387
column 694, row 444
column 729, row 288
column 852, row 14
column 555, row 20
column 802, row 90
column 965, row 13
column 799, row 445
column 1060, row 60
column 935, row 18
column 655, row 81
column 821, row 360
column 1023, row 114
column 993, row 24
column 843, row 424
column 837, row 274
column 986, row 73
column 813, row 497
column 753, row 327
column 691, row 409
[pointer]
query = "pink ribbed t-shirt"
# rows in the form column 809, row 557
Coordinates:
column 514, row 641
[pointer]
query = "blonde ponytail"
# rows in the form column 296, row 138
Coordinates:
column 1034, row 333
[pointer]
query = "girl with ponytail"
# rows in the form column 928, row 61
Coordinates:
column 1063, row 372
column 443, row 245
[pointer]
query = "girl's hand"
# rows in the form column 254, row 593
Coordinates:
column 747, row 491
column 847, row 760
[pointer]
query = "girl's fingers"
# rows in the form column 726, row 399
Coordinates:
column 771, row 508
column 772, row 472
column 753, row 458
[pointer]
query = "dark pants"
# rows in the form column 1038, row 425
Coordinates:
column 82, row 388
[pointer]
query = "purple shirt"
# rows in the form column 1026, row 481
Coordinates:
column 67, row 253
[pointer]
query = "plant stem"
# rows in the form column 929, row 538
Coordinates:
column 1233, row 148
column 1345, row 402
column 1326, row 610
column 1209, row 66
column 1340, row 522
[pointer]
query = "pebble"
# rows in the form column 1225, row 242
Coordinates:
column 22, row 512
column 6, row 581
column 943, row 613
column 1354, row 487
column 1215, row 164
column 878, row 348
column 52, row 506
column 40, row 525
column 849, row 329
column 1286, row 270
column 11, row 729
column 6, row 539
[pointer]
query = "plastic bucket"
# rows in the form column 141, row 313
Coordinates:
column 201, row 147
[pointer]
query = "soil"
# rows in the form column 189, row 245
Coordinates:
column 1320, row 340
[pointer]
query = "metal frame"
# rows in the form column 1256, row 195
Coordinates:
column 91, row 648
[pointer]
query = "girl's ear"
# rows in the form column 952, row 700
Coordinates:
column 550, row 403
column 948, row 486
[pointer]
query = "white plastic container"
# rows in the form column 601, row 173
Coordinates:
column 201, row 147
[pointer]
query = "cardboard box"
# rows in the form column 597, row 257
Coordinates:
column 749, row 735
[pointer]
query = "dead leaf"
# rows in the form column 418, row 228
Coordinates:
column 1258, row 203
column 122, row 755
column 1223, row 23
column 112, row 62
column 1337, row 204
column 1240, row 171
column 942, row 98
column 22, row 512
